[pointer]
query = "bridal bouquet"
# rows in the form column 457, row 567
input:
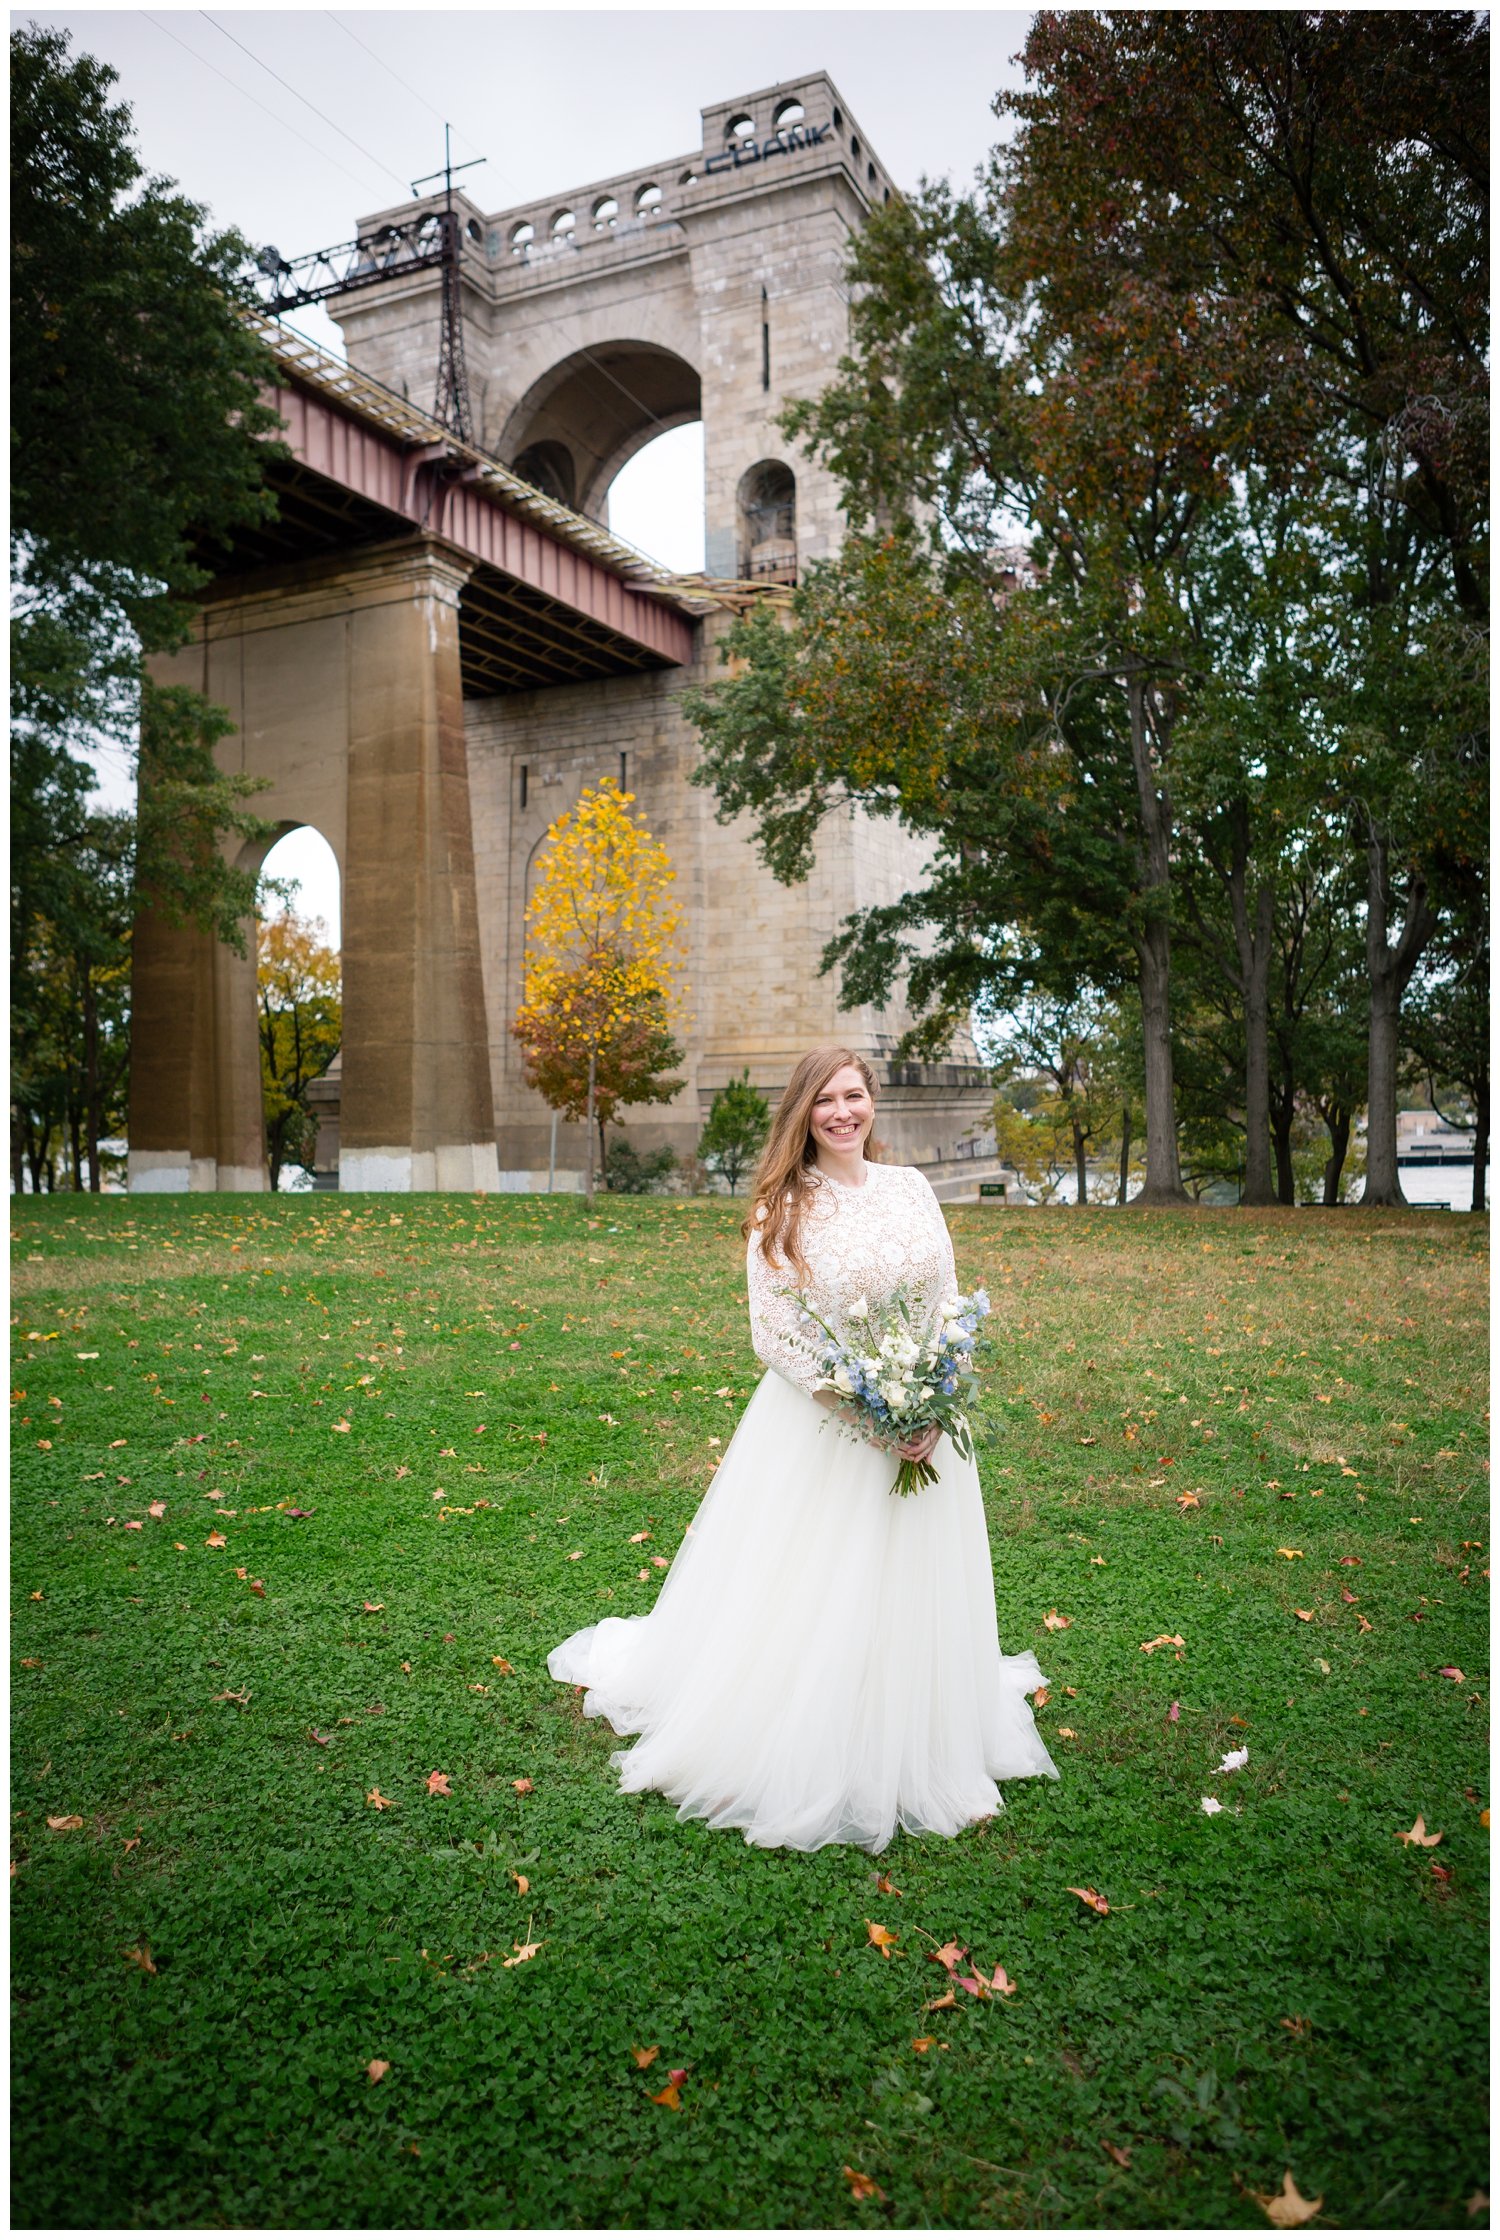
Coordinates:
column 914, row 1371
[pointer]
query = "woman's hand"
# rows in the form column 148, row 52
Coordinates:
column 919, row 1448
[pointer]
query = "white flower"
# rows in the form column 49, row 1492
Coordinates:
column 843, row 1382
column 893, row 1393
column 1233, row 1762
column 924, row 1394
column 870, row 1365
column 858, row 1310
column 956, row 1334
column 1212, row 1804
column 949, row 1309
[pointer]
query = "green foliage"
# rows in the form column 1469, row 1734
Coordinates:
column 739, row 1120
column 1283, row 1985
column 635, row 1173
column 301, row 1014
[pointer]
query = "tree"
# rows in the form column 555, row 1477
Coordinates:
column 739, row 1120
column 301, row 1026
column 1448, row 1029
column 597, row 1009
column 139, row 434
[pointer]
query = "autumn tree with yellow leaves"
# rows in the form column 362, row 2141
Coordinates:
column 598, row 1006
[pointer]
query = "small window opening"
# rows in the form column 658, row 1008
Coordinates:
column 838, row 119
column 647, row 199
column 741, row 127
column 525, row 773
column 563, row 224
column 605, row 212
column 521, row 237
column 622, row 770
column 854, row 146
column 474, row 230
column 789, row 113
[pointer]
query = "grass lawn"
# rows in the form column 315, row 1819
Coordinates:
column 305, row 1490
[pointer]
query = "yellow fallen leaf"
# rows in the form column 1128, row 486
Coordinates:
column 882, row 1938
column 1288, row 2208
column 522, row 1953
column 381, row 1804
column 65, row 1820
column 1289, row 1551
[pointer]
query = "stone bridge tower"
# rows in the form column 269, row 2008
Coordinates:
column 709, row 285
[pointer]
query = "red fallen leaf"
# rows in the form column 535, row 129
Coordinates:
column 1418, row 1834
column 133, row 1524
column 257, row 1586
column 1346, row 1596
column 1174, row 1712
column 1001, row 1982
column 523, row 1787
column 371, row 1607
column 140, row 1956
column 862, row 2188
column 1442, row 1874
column 381, row 1804
column 1117, row 2154
column 64, row 1820
column 882, row 1938
column 677, row 2076
column 375, row 2070
column 1091, row 1898
column 948, row 1999
column 322, row 1740
column 886, row 1887
column 643, row 2056
column 1449, row 1672
column 976, row 1986
column 437, row 1785
column 522, row 1953
column 948, row 1955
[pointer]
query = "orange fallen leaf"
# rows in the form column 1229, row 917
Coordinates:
column 372, row 1607
column 381, row 1804
column 1091, row 1898
column 1288, row 2208
column 1067, row 1734
column 668, row 2097
column 437, row 1785
column 521, row 1883
column 923, row 2045
column 1418, row 1834
column 882, row 1938
column 64, row 1820
column 948, row 1955
column 523, row 1787
column 216, row 1540
column 637, row 1537
column 140, row 1956
column 130, row 1843
column 1364, row 1623
column 1164, row 1641
column 1117, row 2154
column 1041, row 1696
column 375, row 2070
column 886, row 1887
column 861, row 2187
column 643, row 2056
column 1185, row 1501
column 343, row 1424
column 157, row 1509
column 948, row 1999
column 1304, row 1615
column 501, row 1664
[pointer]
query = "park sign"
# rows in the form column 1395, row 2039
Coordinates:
column 992, row 1190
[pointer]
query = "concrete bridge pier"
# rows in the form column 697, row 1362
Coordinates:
column 343, row 680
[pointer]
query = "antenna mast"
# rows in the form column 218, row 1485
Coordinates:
column 452, row 403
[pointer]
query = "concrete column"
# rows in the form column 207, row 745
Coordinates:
column 416, row 1111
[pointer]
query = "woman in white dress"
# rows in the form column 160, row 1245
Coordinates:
column 822, row 1663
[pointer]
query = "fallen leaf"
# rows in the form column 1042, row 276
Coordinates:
column 381, row 1804
column 668, row 2097
column 948, row 1999
column 1174, row 1712
column 437, row 1785
column 1164, row 1641
column 1212, row 1805
column 948, row 1955
column 64, row 1820
column 637, row 1537
column 643, row 2056
column 1364, row 1623
column 1041, row 1696
column 322, row 1740
column 521, row 1883
column 882, row 1938
column 1117, row 2154
column 1091, row 1898
column 1418, row 1834
column 1289, row 1551
column 1304, row 1615
column 523, row 1787
column 216, row 1540
column 131, row 1843
column 1185, row 1501
column 861, row 2187
column 1288, row 2207
column 502, row 1665
column 140, row 1956
column 522, row 1953
column 256, row 1586
column 372, row 1607
column 1001, row 1982
column 343, row 1424
column 1054, row 1623
column 1476, row 2201
column 1067, row 1734
column 375, row 2070
column 1449, row 1672
column 157, row 1509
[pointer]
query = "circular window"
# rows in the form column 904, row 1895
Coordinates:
column 647, row 199
column 562, row 225
column 740, row 128
column 521, row 237
column 789, row 113
column 605, row 212
column 474, row 230
column 854, row 146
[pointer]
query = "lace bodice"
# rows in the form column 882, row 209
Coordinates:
column 871, row 1240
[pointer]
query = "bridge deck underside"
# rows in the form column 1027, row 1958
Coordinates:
column 512, row 636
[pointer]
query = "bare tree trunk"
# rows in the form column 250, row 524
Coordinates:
column 1390, row 969
column 1481, row 1143
column 588, row 1192
column 1283, row 1113
column 1154, row 950
column 1126, row 1119
column 1338, row 1119
column 1080, row 1163
column 1254, row 944
column 75, row 1143
column 93, row 1102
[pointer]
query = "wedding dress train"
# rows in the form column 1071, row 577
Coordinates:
column 822, row 1663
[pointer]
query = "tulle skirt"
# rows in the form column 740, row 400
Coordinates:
column 822, row 1663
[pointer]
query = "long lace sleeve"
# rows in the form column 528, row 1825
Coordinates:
column 776, row 1330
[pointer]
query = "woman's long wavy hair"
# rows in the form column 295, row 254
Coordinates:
column 782, row 1186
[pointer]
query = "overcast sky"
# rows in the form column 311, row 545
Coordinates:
column 292, row 124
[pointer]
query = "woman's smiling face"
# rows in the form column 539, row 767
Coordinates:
column 843, row 1113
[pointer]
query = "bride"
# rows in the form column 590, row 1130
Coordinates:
column 822, row 1663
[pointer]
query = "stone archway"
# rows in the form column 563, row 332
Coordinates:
column 579, row 423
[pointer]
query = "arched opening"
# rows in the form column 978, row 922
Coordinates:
column 656, row 501
column 298, row 1010
column 768, row 522
column 787, row 114
column 583, row 421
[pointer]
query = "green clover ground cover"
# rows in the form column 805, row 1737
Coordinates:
column 1251, row 1431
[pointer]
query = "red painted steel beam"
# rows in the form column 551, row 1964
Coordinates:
column 362, row 458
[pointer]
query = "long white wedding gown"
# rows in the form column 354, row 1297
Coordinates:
column 822, row 1662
